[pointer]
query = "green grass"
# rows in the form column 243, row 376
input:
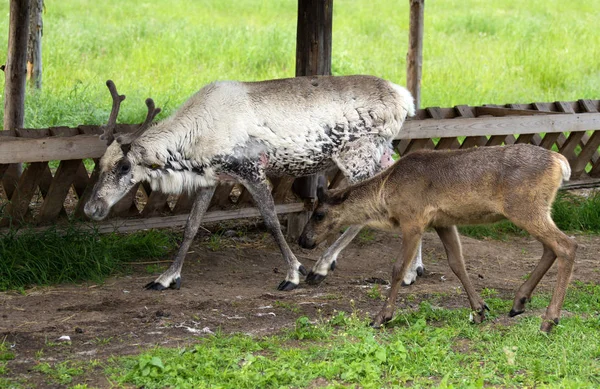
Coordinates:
column 572, row 213
column 474, row 51
column 72, row 255
column 429, row 347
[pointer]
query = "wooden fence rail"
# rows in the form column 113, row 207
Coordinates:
column 61, row 163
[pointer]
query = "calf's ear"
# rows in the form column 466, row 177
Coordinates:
column 322, row 189
column 338, row 197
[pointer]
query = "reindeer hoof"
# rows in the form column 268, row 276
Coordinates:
column 176, row 284
column 287, row 285
column 154, row 286
column 314, row 278
column 302, row 270
column 420, row 271
column 332, row 266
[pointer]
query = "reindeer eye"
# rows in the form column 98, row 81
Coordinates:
column 319, row 216
column 124, row 168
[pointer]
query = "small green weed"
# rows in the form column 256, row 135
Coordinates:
column 101, row 341
column 375, row 293
column 366, row 236
column 61, row 373
column 215, row 242
column 292, row 307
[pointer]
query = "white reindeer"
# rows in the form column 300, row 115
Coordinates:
column 246, row 131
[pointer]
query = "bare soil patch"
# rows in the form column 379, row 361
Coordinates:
column 233, row 289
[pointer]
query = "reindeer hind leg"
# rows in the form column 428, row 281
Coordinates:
column 260, row 191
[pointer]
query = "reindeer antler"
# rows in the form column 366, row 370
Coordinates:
column 109, row 129
column 126, row 139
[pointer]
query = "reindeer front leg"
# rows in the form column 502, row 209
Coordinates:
column 172, row 277
column 261, row 193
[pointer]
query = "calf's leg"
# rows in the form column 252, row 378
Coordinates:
column 451, row 242
column 410, row 244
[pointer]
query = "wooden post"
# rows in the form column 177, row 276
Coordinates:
column 313, row 57
column 16, row 65
column 414, row 58
column 34, row 48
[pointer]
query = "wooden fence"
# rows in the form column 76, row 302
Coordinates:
column 50, row 192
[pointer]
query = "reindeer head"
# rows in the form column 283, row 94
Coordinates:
column 326, row 218
column 120, row 169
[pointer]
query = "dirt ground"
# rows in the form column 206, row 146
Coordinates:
column 233, row 289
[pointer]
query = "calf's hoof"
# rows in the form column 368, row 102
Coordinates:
column 547, row 325
column 518, row 306
column 286, row 285
column 514, row 313
column 478, row 316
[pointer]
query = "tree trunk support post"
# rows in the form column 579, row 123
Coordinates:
column 15, row 72
column 34, row 49
column 313, row 57
column 414, row 58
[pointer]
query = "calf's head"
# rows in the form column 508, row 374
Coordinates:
column 120, row 169
column 327, row 218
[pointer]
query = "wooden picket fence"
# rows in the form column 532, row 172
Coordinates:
column 60, row 164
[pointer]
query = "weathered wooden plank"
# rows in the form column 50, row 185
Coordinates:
column 156, row 204
column 47, row 149
column 549, row 140
column 18, row 206
column 499, row 125
column 129, row 225
column 281, row 188
column 447, row 144
column 221, row 196
column 524, row 138
column 184, row 203
column 499, row 112
column 58, row 190
column 496, row 140
column 10, row 178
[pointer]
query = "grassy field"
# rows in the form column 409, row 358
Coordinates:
column 473, row 52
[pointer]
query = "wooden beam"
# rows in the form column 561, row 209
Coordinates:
column 430, row 128
column 15, row 72
column 414, row 58
column 128, row 225
column 50, row 148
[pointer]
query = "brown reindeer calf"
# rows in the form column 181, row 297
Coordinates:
column 443, row 189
